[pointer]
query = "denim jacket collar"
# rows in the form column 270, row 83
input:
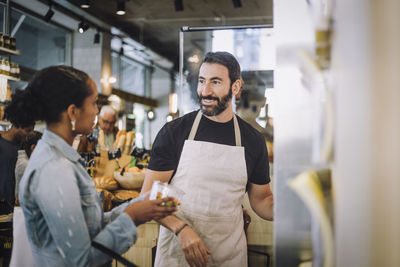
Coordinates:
column 56, row 141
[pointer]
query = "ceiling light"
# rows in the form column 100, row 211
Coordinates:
column 112, row 79
column 49, row 14
column 85, row 4
column 151, row 115
column 194, row 59
column 178, row 5
column 237, row 3
column 120, row 7
column 82, row 27
column 170, row 117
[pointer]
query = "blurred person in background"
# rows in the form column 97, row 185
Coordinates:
column 27, row 147
column 22, row 257
column 107, row 119
column 10, row 141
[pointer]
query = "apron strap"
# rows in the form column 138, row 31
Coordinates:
column 195, row 126
column 196, row 123
column 238, row 138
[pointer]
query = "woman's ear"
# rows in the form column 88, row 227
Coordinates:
column 72, row 112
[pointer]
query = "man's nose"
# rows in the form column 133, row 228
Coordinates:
column 206, row 89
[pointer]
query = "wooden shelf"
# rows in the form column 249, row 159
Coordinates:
column 10, row 51
column 10, row 78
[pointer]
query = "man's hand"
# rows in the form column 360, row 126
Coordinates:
column 196, row 253
column 246, row 219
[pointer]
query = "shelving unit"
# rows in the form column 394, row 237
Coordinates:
column 10, row 78
column 10, row 51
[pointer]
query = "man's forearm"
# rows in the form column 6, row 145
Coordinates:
column 265, row 208
column 171, row 222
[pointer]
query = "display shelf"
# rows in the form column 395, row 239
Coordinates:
column 10, row 78
column 10, row 51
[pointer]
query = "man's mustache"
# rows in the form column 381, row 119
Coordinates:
column 209, row 98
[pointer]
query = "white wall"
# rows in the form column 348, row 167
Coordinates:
column 367, row 169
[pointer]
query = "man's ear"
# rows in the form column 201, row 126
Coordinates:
column 72, row 112
column 236, row 87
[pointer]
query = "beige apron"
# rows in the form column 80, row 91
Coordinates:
column 213, row 177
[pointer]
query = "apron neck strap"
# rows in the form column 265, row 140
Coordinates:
column 196, row 123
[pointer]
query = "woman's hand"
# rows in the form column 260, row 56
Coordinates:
column 196, row 252
column 146, row 210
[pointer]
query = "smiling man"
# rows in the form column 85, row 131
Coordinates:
column 213, row 156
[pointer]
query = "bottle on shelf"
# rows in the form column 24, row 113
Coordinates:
column 3, row 66
column 17, row 71
column 13, row 43
column 6, row 43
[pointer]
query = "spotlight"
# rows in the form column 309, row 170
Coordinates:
column 112, row 79
column 237, row 3
column 85, row 4
column 178, row 5
column 121, row 51
column 170, row 117
column 151, row 115
column 120, row 7
column 49, row 14
column 97, row 37
column 82, row 27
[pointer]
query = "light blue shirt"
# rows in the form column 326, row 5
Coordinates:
column 63, row 211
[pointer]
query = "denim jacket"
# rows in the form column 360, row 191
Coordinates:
column 63, row 211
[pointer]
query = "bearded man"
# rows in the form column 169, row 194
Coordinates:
column 214, row 157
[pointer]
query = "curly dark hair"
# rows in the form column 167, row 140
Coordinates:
column 48, row 94
column 226, row 59
column 17, row 116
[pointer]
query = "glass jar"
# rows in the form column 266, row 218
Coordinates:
column 13, row 43
column 6, row 43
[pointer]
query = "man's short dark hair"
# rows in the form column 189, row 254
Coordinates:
column 226, row 59
column 31, row 139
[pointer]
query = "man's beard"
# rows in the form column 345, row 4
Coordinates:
column 222, row 104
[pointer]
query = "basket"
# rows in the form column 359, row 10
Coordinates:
column 130, row 180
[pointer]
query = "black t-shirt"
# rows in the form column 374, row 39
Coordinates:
column 8, row 158
column 168, row 145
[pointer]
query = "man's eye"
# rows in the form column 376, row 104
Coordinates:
column 201, row 81
column 216, row 82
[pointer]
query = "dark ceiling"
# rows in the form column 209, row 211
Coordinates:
column 156, row 23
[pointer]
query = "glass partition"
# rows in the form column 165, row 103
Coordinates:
column 41, row 44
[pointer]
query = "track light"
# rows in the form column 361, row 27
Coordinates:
column 121, row 51
column 49, row 14
column 237, row 3
column 178, row 5
column 97, row 37
column 83, row 26
column 151, row 115
column 85, row 4
column 120, row 7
